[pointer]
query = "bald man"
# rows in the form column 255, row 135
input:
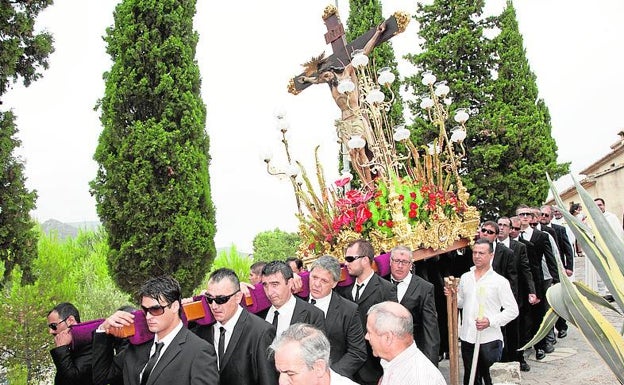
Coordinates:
column 389, row 329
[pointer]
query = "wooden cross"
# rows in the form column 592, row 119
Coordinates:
column 341, row 50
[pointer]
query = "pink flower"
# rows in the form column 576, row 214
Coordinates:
column 343, row 181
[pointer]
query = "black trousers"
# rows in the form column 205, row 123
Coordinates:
column 489, row 353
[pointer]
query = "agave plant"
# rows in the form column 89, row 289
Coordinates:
column 575, row 301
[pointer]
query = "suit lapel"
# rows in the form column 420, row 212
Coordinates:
column 334, row 308
column 241, row 325
column 172, row 351
column 297, row 313
column 369, row 289
column 411, row 289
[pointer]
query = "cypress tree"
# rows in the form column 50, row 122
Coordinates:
column 152, row 187
column 516, row 147
column 23, row 54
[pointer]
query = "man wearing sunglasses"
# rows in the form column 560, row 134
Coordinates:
column 73, row 365
column 366, row 290
column 174, row 356
column 525, row 294
column 538, row 249
column 241, row 339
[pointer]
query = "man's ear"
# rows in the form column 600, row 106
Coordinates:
column 319, row 367
column 71, row 320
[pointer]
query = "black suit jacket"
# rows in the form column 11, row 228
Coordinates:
column 504, row 264
column 419, row 300
column 188, row 360
column 566, row 252
column 377, row 290
column 72, row 366
column 246, row 360
column 303, row 313
column 526, row 285
column 539, row 246
column 346, row 336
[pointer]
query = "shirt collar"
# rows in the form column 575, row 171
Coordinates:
column 229, row 324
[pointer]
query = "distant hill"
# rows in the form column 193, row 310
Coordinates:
column 62, row 230
column 68, row 230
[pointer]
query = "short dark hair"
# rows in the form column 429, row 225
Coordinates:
column 66, row 309
column 257, row 267
column 600, row 199
column 278, row 267
column 164, row 286
column 365, row 248
column 298, row 262
column 574, row 207
column 483, row 241
column 225, row 273
column 492, row 224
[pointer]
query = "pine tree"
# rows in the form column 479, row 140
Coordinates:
column 23, row 53
column 516, row 148
column 152, row 187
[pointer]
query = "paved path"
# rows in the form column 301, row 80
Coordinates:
column 573, row 362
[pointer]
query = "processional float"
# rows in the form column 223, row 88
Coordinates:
column 410, row 194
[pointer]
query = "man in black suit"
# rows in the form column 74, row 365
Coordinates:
column 286, row 309
column 417, row 296
column 73, row 365
column 503, row 262
column 174, row 356
column 510, row 228
column 367, row 290
column 241, row 339
column 344, row 328
column 538, row 249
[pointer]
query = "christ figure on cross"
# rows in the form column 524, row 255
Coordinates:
column 353, row 121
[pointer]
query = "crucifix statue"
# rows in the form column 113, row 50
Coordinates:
column 337, row 67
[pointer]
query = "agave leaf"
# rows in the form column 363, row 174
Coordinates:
column 600, row 243
column 548, row 322
column 593, row 297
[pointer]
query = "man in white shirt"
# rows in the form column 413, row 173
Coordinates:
column 389, row 330
column 302, row 357
column 488, row 303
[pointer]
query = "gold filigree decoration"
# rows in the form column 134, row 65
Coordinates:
column 291, row 87
column 329, row 11
column 403, row 19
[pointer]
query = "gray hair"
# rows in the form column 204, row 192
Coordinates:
column 401, row 248
column 313, row 345
column 388, row 321
column 329, row 263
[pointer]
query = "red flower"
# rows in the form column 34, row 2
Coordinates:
column 401, row 197
column 413, row 195
column 380, row 223
column 389, row 223
column 358, row 228
column 413, row 206
column 413, row 214
column 312, row 246
column 342, row 182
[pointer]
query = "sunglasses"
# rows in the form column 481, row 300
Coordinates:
column 351, row 258
column 55, row 325
column 515, row 228
column 488, row 231
column 545, row 215
column 155, row 310
column 525, row 214
column 220, row 299
column 533, row 224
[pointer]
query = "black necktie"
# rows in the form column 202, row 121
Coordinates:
column 313, row 301
column 522, row 235
column 396, row 283
column 151, row 363
column 221, row 344
column 357, row 291
column 275, row 316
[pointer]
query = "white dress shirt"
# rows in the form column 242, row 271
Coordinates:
column 323, row 303
column 166, row 342
column 493, row 292
column 363, row 284
column 285, row 315
column 229, row 328
column 402, row 286
column 410, row 367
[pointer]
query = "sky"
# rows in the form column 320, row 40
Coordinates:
column 247, row 52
